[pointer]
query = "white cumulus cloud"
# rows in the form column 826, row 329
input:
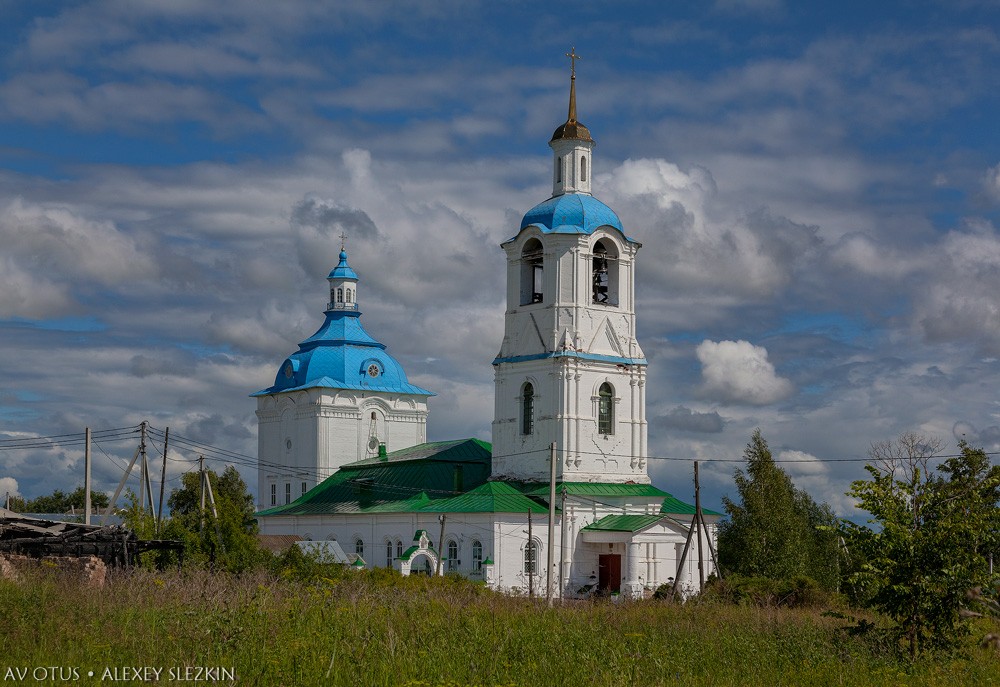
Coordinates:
column 8, row 485
column 739, row 372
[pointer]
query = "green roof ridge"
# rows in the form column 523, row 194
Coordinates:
column 625, row 523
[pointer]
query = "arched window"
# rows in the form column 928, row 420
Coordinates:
column 453, row 555
column 399, row 548
column 532, row 273
column 477, row 556
column 583, row 168
column 388, row 553
column 606, row 409
column 350, row 295
column 531, row 558
column 527, row 409
column 359, row 548
column 605, row 273
column 559, row 166
column 340, row 295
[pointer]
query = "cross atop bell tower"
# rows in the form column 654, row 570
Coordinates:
column 572, row 146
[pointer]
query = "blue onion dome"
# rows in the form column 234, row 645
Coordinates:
column 571, row 213
column 342, row 270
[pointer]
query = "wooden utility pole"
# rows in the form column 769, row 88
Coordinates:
column 551, row 548
column 530, row 553
column 121, row 485
column 215, row 511
column 711, row 547
column 142, row 465
column 163, row 480
column 201, row 471
column 687, row 543
column 86, row 477
column 441, row 519
column 145, row 465
column 698, row 519
column 563, row 564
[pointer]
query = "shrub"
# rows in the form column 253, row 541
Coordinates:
column 797, row 592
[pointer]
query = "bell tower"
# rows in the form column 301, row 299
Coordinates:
column 570, row 369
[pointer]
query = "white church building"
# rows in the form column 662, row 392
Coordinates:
column 342, row 433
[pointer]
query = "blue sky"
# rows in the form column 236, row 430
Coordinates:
column 816, row 185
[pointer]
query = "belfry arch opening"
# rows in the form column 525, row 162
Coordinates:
column 604, row 275
column 532, row 272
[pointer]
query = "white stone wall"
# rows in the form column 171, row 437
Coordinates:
column 305, row 436
column 648, row 559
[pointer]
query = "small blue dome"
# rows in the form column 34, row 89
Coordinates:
column 571, row 213
column 342, row 355
column 342, row 270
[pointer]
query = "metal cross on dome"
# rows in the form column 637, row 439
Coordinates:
column 343, row 236
column 573, row 57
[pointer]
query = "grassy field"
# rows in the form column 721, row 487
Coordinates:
column 380, row 629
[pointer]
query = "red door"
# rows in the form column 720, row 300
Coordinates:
column 609, row 572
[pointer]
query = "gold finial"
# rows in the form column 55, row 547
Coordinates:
column 572, row 129
column 573, row 57
column 342, row 237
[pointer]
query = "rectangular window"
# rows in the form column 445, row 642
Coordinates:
column 288, row 492
column 303, row 489
column 274, row 494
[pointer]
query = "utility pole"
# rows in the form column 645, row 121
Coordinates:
column 531, row 555
column 163, row 481
column 215, row 511
column 551, row 549
column 698, row 519
column 711, row 546
column 441, row 519
column 687, row 543
column 201, row 470
column 563, row 563
column 86, row 477
column 121, row 485
column 145, row 465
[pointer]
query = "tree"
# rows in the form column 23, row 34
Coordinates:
column 928, row 556
column 229, row 540
column 59, row 502
column 776, row 531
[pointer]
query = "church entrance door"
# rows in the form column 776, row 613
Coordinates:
column 609, row 572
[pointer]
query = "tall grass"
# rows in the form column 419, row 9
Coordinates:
column 382, row 629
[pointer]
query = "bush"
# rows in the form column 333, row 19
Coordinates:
column 797, row 592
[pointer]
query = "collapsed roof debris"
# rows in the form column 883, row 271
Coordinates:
column 114, row 544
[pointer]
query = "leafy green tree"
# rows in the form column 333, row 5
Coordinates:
column 776, row 531
column 929, row 555
column 230, row 540
column 59, row 502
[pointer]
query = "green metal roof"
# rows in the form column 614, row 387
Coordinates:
column 623, row 523
column 674, row 506
column 405, row 481
column 492, row 497
column 592, row 489
column 457, row 449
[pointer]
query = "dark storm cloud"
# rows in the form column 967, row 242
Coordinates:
column 687, row 420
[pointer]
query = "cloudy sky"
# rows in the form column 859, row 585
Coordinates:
column 816, row 187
